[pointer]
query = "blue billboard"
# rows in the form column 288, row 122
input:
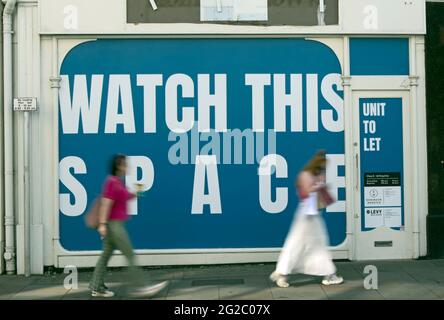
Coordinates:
column 216, row 130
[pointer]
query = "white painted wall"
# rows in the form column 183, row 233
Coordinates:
column 394, row 17
column 383, row 16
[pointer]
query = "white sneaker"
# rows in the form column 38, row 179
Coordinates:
column 282, row 282
column 274, row 276
column 103, row 293
column 149, row 291
column 332, row 280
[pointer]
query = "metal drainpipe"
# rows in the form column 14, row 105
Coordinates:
column 26, row 197
column 2, row 221
column 321, row 13
column 8, row 136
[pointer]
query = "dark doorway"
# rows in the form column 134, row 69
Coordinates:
column 435, row 127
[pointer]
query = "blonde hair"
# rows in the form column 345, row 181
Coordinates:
column 317, row 164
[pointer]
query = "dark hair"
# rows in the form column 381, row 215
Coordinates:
column 317, row 164
column 116, row 161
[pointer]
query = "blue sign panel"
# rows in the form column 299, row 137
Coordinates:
column 379, row 57
column 216, row 131
column 382, row 177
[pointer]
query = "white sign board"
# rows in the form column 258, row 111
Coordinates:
column 374, row 217
column 382, row 196
column 25, row 104
column 233, row 10
column 383, row 199
column 378, row 217
column 392, row 217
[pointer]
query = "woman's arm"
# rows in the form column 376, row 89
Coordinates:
column 105, row 209
column 307, row 183
column 132, row 195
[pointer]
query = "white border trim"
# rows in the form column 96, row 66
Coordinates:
column 409, row 249
column 120, row 27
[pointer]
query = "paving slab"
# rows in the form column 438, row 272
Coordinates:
column 41, row 292
column 439, row 263
column 299, row 291
column 170, row 274
column 397, row 291
column 81, row 293
column 407, row 279
column 352, row 293
column 257, row 288
column 183, row 290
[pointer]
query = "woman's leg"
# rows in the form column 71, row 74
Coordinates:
column 122, row 242
column 291, row 255
column 97, row 280
column 323, row 257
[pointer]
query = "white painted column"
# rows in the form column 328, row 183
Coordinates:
column 30, row 227
column 2, row 201
column 349, row 151
column 416, row 158
column 421, row 131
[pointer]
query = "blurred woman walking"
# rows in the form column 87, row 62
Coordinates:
column 112, row 216
column 306, row 246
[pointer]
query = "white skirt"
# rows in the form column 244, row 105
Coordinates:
column 306, row 247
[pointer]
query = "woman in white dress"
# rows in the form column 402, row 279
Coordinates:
column 306, row 247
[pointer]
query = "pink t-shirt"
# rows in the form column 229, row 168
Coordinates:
column 115, row 190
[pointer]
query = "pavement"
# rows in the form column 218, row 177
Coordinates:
column 396, row 280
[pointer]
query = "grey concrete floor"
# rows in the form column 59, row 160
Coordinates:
column 396, row 280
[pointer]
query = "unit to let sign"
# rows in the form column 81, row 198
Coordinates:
column 381, row 163
column 372, row 142
column 25, row 104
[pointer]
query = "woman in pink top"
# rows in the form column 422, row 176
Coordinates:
column 112, row 217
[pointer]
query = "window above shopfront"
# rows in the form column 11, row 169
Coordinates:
column 235, row 12
column 228, row 17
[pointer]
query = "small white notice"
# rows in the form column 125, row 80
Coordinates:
column 233, row 10
column 382, row 196
column 383, row 200
column 392, row 196
column 378, row 217
column 392, row 217
column 374, row 217
column 25, row 104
